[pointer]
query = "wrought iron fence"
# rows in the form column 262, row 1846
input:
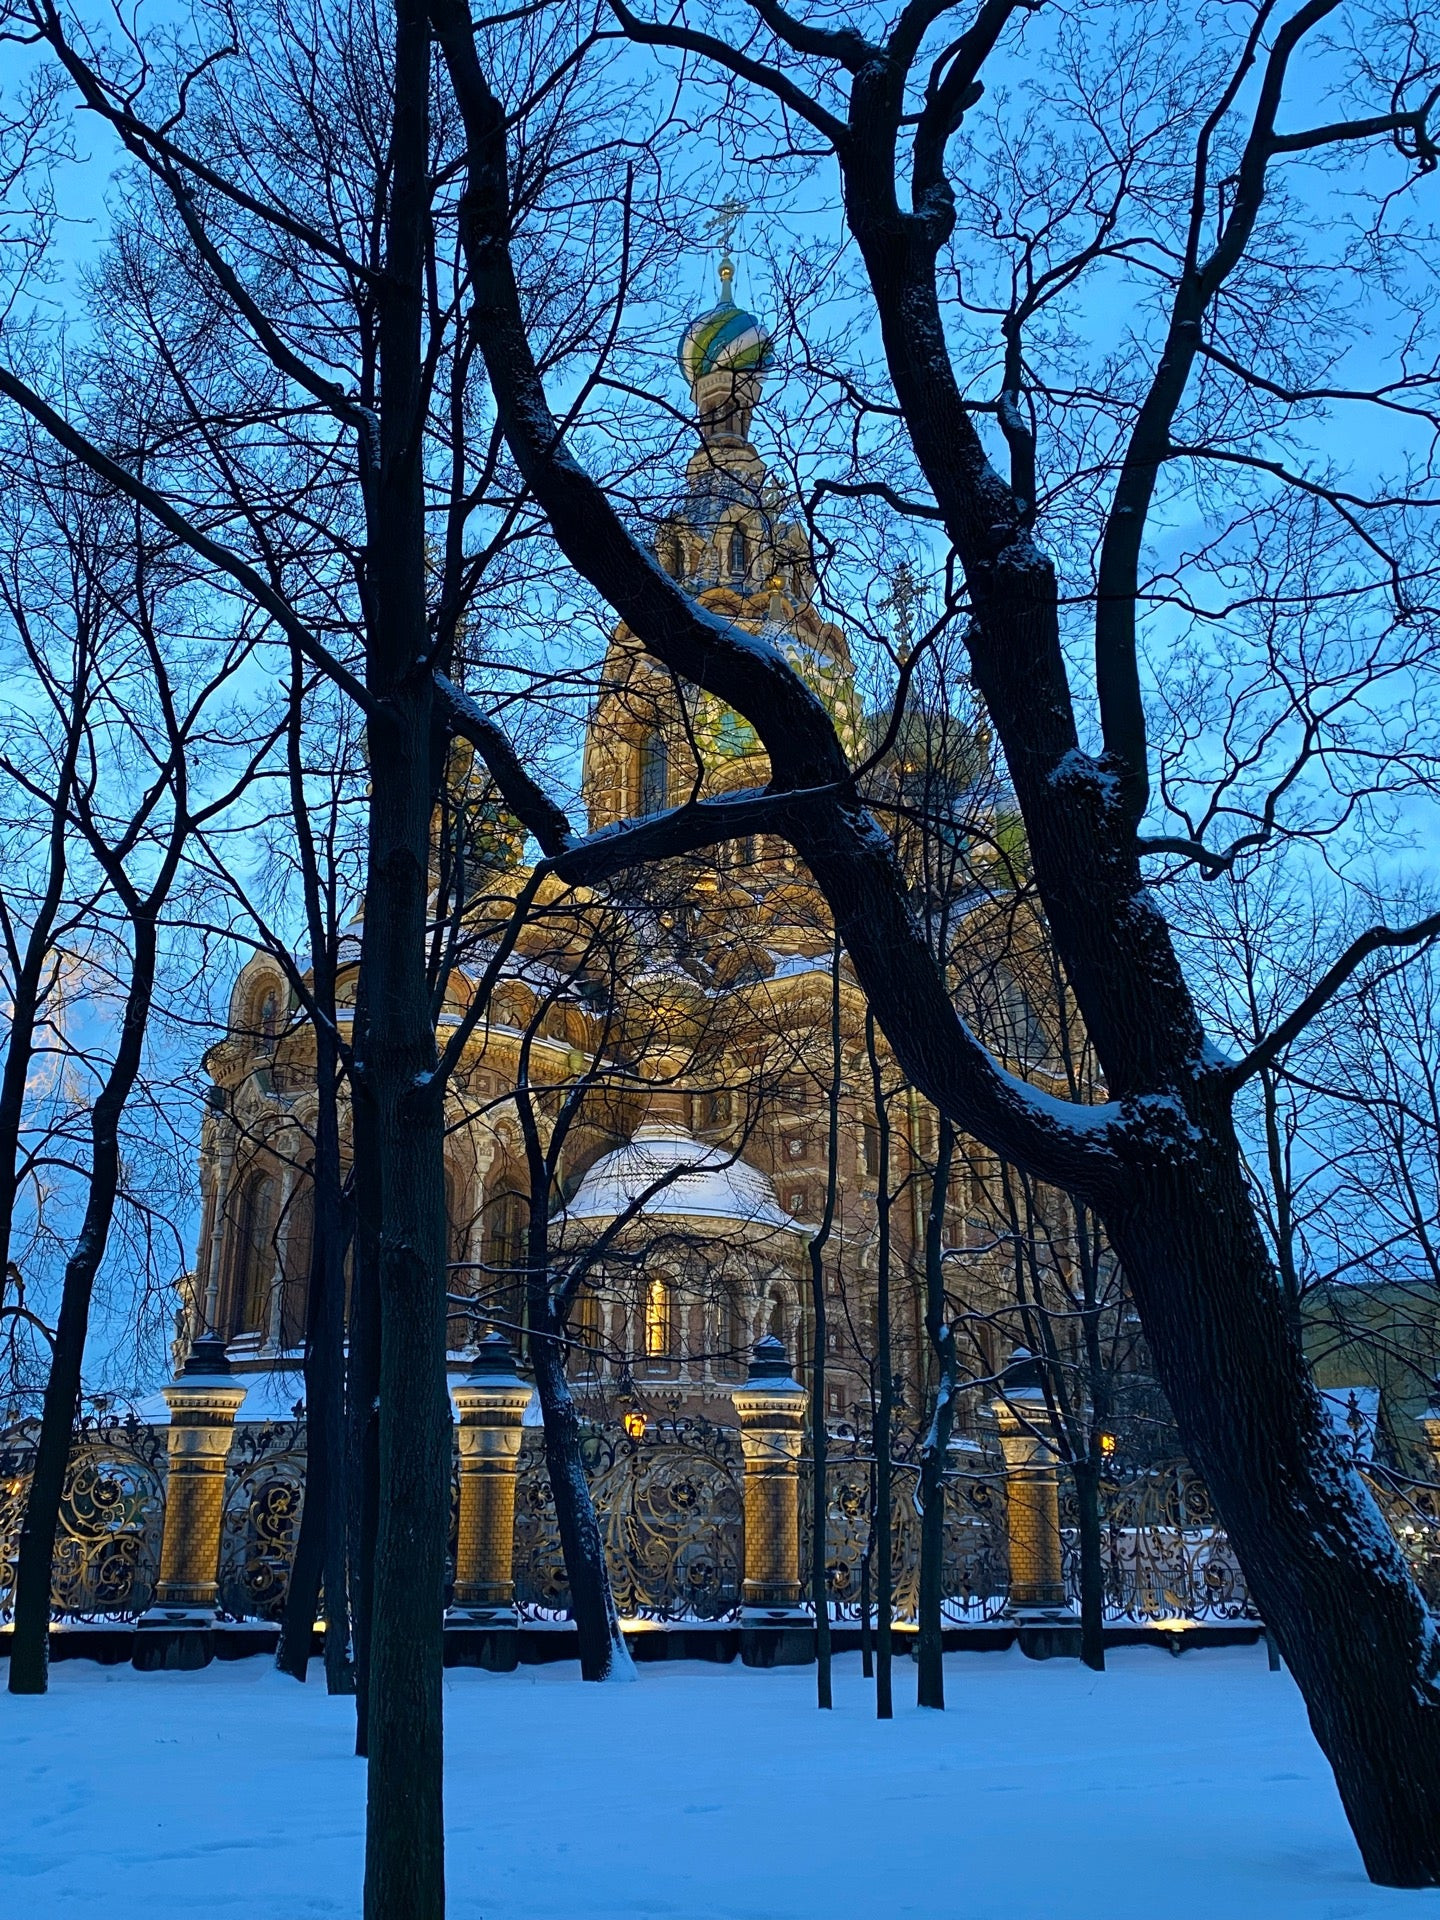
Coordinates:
column 112, row 1513
column 670, row 1508
column 975, row 1574
column 1164, row 1553
column 264, row 1494
column 1412, row 1508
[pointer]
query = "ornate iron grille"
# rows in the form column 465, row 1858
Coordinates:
column 112, row 1513
column 1412, row 1508
column 264, row 1492
column 670, row 1510
column 975, row 1571
column 1164, row 1552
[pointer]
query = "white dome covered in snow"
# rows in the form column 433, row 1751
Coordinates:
column 712, row 1185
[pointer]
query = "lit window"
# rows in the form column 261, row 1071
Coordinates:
column 657, row 1320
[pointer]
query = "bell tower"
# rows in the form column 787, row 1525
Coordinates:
column 730, row 538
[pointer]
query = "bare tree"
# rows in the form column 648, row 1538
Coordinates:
column 1159, row 1161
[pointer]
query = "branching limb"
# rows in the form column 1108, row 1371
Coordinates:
column 1374, row 940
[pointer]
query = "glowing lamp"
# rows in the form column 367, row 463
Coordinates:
column 634, row 1424
column 1107, row 1446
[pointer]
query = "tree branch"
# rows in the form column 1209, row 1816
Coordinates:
column 1375, row 940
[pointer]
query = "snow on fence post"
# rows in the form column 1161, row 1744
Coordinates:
column 178, row 1631
column 1032, row 1490
column 481, row 1626
column 775, row 1629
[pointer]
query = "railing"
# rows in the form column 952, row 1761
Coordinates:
column 975, row 1573
column 670, row 1506
column 264, row 1494
column 1163, row 1551
column 112, row 1513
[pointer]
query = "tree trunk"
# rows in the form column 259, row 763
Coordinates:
column 1326, row 1571
column 867, row 1558
column 30, row 1636
column 319, row 1562
column 405, row 1826
column 1092, row 1564
column 603, row 1653
column 882, row 1426
column 362, row 1447
column 934, row 1455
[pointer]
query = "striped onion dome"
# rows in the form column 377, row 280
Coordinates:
column 725, row 340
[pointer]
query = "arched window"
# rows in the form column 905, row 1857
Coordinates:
column 502, row 1284
column 584, row 1329
column 654, row 775
column 657, row 1321
column 672, row 556
column 739, row 555
column 255, row 1254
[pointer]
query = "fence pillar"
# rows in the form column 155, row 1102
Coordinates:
column 480, row 1628
column 775, row 1628
column 178, row 1631
column 1032, row 1492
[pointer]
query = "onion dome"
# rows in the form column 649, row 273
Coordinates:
column 723, row 356
column 727, row 339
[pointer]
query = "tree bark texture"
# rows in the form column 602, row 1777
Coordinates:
column 603, row 1653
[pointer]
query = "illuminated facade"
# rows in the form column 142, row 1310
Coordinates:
column 682, row 1029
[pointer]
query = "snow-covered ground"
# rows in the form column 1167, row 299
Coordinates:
column 1165, row 1789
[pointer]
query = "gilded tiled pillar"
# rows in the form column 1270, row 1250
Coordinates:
column 491, row 1402
column 1032, row 1492
column 203, row 1401
column 771, row 1406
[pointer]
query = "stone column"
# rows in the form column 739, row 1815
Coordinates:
column 776, row 1629
column 482, row 1621
column 178, row 1631
column 1032, row 1491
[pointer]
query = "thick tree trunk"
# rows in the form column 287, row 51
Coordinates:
column 1324, row 1568
column 30, row 1637
column 362, row 1439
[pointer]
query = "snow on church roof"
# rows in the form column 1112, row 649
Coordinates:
column 713, row 1186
